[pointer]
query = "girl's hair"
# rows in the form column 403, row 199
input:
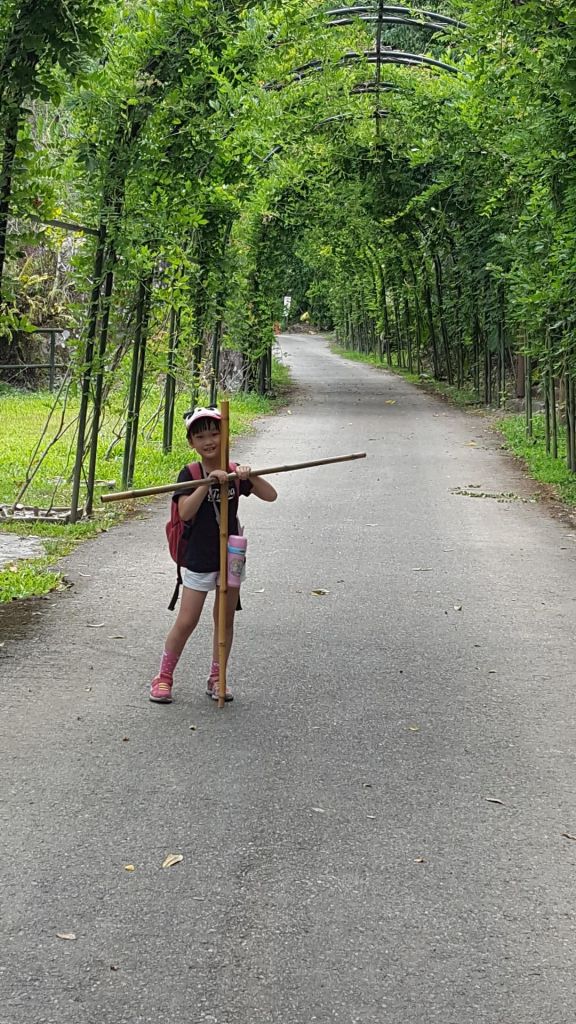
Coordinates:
column 200, row 426
column 198, row 420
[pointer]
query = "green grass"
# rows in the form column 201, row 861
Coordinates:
column 23, row 416
column 462, row 397
column 542, row 467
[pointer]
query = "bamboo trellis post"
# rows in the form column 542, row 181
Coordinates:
column 223, row 596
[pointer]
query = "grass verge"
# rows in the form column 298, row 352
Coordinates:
column 540, row 465
column 23, row 416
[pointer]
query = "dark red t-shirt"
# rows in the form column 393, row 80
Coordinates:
column 202, row 537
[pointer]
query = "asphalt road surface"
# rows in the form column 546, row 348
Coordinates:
column 373, row 831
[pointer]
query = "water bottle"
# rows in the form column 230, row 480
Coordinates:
column 236, row 559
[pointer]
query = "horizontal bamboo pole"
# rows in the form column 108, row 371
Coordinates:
column 144, row 492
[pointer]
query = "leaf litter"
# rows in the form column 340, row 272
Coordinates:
column 172, row 859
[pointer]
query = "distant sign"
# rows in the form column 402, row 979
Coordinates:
column 287, row 304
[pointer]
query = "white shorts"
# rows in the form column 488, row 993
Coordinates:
column 204, row 581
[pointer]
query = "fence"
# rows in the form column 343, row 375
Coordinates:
column 51, row 365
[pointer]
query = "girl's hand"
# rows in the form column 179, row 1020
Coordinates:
column 243, row 472
column 218, row 476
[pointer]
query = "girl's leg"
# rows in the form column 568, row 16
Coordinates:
column 191, row 605
column 189, row 612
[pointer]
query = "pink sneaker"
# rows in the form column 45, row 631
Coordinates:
column 212, row 689
column 161, row 690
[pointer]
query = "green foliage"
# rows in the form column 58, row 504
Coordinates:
column 26, row 580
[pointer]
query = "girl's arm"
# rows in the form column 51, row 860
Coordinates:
column 260, row 487
column 188, row 504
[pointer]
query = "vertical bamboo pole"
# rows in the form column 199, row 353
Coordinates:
column 528, row 395
column 99, row 386
column 139, row 378
column 88, row 360
column 140, row 304
column 170, row 381
column 223, row 597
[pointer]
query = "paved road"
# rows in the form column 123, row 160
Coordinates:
column 373, row 830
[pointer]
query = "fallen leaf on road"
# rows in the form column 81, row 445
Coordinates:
column 86, row 575
column 568, row 836
column 457, row 607
column 390, row 401
column 319, row 592
column 421, row 568
column 95, row 625
column 319, row 810
column 494, row 800
column 117, row 636
column 414, row 728
column 172, row 859
column 129, row 867
column 419, row 860
column 192, row 728
column 113, row 967
column 371, row 816
column 66, row 935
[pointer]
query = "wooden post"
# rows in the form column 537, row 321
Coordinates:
column 223, row 597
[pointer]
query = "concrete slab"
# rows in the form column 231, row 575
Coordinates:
column 13, row 548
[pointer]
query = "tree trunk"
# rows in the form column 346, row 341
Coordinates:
column 136, row 378
column 432, row 331
column 99, row 382
column 87, row 371
column 170, row 382
column 443, row 329
column 8, row 156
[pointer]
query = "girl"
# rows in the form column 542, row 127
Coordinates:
column 200, row 510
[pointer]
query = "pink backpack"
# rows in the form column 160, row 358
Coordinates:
column 176, row 528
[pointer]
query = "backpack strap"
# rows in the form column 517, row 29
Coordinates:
column 196, row 472
column 232, row 467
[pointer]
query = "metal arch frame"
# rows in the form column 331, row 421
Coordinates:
column 382, row 15
column 388, row 20
column 374, row 13
column 379, row 56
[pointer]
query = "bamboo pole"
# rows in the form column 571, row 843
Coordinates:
column 144, row 492
column 223, row 595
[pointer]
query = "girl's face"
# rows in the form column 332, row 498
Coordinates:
column 206, row 442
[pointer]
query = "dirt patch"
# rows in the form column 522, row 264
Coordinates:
column 17, row 618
